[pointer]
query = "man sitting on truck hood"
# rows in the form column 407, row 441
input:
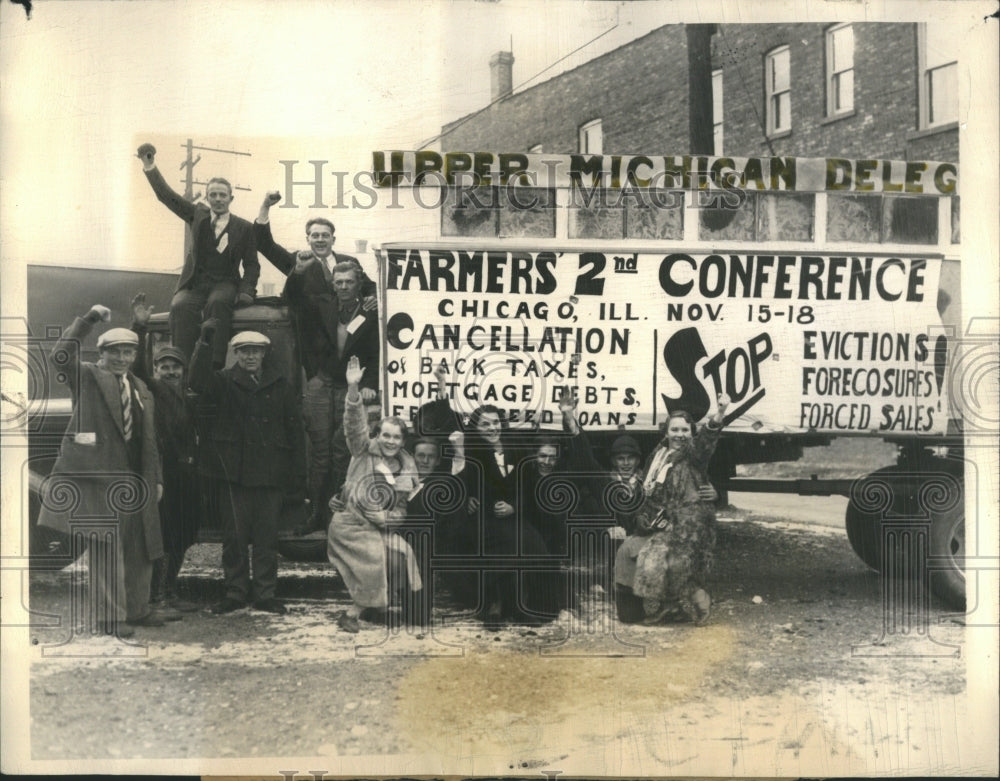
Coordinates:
column 332, row 303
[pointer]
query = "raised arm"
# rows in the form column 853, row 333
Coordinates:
column 174, row 201
column 280, row 258
column 355, row 416
column 140, row 319
column 65, row 355
column 708, row 435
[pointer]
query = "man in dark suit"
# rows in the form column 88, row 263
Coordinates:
column 106, row 483
column 219, row 242
column 333, row 305
column 254, row 445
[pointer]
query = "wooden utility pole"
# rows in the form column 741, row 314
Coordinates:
column 190, row 161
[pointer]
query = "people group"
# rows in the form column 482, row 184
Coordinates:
column 494, row 509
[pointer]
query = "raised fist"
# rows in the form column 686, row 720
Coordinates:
column 146, row 153
column 99, row 312
column 271, row 197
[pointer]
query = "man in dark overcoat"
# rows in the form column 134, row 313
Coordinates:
column 254, row 444
column 177, row 440
column 106, row 482
column 332, row 303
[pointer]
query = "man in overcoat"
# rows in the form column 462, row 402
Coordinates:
column 219, row 243
column 107, row 481
column 332, row 302
column 253, row 443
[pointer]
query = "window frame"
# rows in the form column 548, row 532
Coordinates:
column 770, row 93
column 583, row 135
column 718, row 122
column 924, row 86
column 833, row 75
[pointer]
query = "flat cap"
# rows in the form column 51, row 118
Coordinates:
column 117, row 336
column 249, row 339
column 625, row 444
column 169, row 351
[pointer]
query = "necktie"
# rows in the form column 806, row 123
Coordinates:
column 215, row 225
column 126, row 407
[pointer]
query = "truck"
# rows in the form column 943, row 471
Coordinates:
column 821, row 294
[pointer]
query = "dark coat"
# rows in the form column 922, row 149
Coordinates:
column 252, row 431
column 93, row 477
column 315, row 311
column 242, row 248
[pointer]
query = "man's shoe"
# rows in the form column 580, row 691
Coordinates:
column 227, row 605
column 150, row 619
column 166, row 612
column 348, row 623
column 182, row 605
column 271, row 605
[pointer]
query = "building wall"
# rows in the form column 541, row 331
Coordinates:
column 640, row 93
column 885, row 119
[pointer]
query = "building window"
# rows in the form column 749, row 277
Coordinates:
column 777, row 85
column 938, row 78
column 717, row 112
column 591, row 138
column 839, row 69
column 535, row 150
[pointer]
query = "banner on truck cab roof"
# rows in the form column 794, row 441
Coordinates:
column 800, row 342
column 670, row 172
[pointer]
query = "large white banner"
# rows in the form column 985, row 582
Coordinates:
column 800, row 342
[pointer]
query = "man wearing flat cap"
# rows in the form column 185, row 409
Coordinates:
column 254, row 444
column 177, row 439
column 108, row 469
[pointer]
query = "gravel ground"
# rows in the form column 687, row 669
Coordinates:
column 800, row 671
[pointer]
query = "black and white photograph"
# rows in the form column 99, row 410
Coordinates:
column 499, row 388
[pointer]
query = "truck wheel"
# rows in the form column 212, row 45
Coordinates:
column 933, row 492
column 948, row 541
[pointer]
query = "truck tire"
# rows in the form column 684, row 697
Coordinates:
column 933, row 492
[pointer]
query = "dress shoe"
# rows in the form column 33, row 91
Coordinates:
column 271, row 605
column 150, row 619
column 166, row 612
column 227, row 605
column 348, row 623
column 182, row 605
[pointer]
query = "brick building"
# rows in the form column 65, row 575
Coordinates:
column 884, row 90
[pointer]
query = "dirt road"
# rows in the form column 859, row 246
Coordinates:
column 800, row 672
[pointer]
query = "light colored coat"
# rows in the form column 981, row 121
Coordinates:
column 92, row 477
column 359, row 535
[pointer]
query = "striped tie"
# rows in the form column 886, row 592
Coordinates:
column 126, row 408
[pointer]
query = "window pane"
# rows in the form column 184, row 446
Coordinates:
column 781, row 111
column 942, row 89
column 779, row 71
column 717, row 139
column 717, row 95
column 659, row 215
column 527, row 212
column 468, row 211
column 842, row 43
column 727, row 223
column 852, row 217
column 940, row 49
column 843, row 90
column 910, row 220
column 600, row 215
column 785, row 217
